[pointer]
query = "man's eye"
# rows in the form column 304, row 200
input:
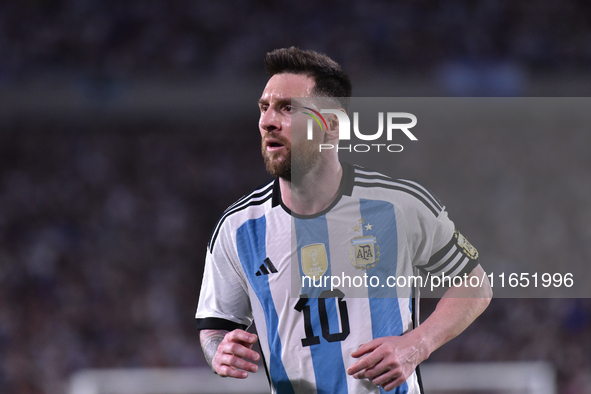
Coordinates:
column 289, row 108
column 264, row 108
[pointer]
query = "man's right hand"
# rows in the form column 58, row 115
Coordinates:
column 230, row 353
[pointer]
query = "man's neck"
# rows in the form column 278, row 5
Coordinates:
column 313, row 192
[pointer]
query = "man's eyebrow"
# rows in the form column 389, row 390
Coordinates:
column 281, row 101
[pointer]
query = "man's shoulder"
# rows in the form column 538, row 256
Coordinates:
column 366, row 181
column 257, row 197
column 249, row 206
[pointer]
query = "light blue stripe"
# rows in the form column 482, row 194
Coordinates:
column 250, row 243
column 327, row 358
column 386, row 319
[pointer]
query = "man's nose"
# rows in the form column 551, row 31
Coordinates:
column 270, row 121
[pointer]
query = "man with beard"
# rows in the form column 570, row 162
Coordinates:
column 315, row 212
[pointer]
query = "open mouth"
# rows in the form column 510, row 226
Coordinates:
column 273, row 145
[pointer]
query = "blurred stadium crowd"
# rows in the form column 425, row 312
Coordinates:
column 102, row 243
column 103, row 226
column 123, row 39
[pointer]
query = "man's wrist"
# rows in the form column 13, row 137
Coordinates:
column 210, row 341
column 423, row 344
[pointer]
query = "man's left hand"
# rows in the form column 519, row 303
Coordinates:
column 387, row 361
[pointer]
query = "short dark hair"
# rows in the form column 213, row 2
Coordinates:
column 329, row 77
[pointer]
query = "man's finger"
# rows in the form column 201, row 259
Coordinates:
column 239, row 350
column 394, row 383
column 242, row 336
column 226, row 371
column 366, row 362
column 382, row 375
column 379, row 371
column 237, row 362
column 367, row 347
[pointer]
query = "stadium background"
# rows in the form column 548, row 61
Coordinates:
column 128, row 127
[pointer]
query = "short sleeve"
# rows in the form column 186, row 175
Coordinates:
column 223, row 301
column 439, row 247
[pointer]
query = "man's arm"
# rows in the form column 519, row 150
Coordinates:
column 227, row 352
column 389, row 361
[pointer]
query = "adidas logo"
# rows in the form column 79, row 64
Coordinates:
column 263, row 268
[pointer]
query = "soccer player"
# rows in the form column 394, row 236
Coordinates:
column 331, row 217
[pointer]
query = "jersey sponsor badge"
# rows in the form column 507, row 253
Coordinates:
column 314, row 260
column 466, row 246
column 364, row 252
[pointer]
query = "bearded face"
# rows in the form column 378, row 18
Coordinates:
column 286, row 150
column 279, row 160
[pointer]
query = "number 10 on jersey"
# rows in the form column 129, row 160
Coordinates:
column 304, row 307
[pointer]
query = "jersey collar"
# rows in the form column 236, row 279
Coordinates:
column 345, row 189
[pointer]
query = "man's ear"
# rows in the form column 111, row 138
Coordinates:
column 333, row 126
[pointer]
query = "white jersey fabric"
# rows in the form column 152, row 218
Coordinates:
column 378, row 225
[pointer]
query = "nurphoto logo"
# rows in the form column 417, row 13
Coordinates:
column 392, row 125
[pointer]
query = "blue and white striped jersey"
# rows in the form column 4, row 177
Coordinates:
column 378, row 226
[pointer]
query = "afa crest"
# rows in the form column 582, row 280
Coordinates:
column 365, row 254
column 314, row 260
